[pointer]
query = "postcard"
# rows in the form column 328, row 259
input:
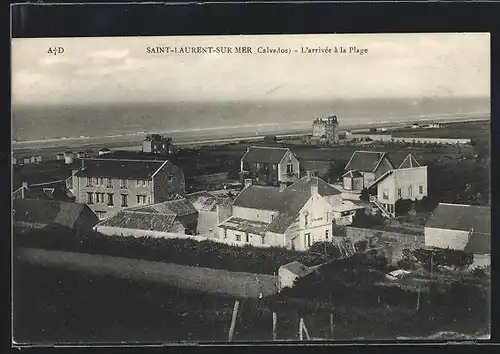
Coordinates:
column 251, row 189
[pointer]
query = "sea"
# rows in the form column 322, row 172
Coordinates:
column 225, row 118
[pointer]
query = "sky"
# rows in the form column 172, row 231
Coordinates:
column 118, row 69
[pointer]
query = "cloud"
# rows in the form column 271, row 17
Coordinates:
column 109, row 54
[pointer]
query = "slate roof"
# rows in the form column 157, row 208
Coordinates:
column 304, row 185
column 139, row 220
column 205, row 201
column 461, row 217
column 479, row 244
column 365, row 161
column 178, row 207
column 409, row 162
column 125, row 169
column 352, row 174
column 263, row 154
column 47, row 212
column 259, row 197
column 297, row 268
column 291, row 204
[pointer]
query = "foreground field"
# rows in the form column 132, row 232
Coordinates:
column 64, row 306
column 194, row 278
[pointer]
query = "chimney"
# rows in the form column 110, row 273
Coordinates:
column 314, row 186
column 83, row 164
column 309, row 175
column 248, row 182
column 282, row 186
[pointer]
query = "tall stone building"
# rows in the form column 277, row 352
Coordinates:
column 326, row 128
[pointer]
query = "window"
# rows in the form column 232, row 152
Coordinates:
column 385, row 194
column 308, row 240
column 410, row 191
column 263, row 239
column 124, row 200
column 89, row 181
column 123, row 183
column 327, row 217
column 101, row 214
column 327, row 232
column 225, row 233
column 149, row 200
column 247, row 237
column 238, row 237
column 257, row 165
column 98, row 198
column 399, row 193
column 421, row 189
column 96, row 180
column 141, row 199
column 110, row 199
column 90, row 199
column 306, row 219
column 109, row 182
column 289, row 168
column 272, row 217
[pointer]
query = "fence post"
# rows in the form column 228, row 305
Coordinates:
column 233, row 320
column 331, row 325
column 274, row 325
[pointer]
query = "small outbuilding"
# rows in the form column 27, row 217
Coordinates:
column 288, row 273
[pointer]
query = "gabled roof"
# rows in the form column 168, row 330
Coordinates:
column 297, row 268
column 352, row 174
column 292, row 203
column 461, row 217
column 409, row 162
column 479, row 244
column 124, row 169
column 140, row 220
column 244, row 225
column 177, row 207
column 264, row 154
column 259, row 197
column 48, row 212
column 365, row 161
column 304, row 185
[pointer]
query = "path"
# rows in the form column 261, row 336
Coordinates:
column 202, row 279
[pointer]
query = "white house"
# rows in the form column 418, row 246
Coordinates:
column 408, row 181
column 370, row 164
column 270, row 165
column 461, row 227
column 294, row 217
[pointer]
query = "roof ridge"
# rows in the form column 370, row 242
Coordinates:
column 269, row 147
column 125, row 160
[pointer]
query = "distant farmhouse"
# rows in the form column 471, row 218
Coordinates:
column 461, row 227
column 270, row 165
column 158, row 144
column 37, row 213
column 326, row 128
column 386, row 184
column 108, row 186
column 294, row 217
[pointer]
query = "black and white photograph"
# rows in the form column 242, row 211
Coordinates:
column 251, row 188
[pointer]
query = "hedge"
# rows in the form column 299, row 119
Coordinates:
column 207, row 254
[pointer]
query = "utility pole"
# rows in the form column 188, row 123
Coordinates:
column 274, row 325
column 233, row 320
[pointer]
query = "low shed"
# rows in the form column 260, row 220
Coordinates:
column 288, row 273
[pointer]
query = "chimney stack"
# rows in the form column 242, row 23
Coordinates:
column 83, row 164
column 248, row 182
column 314, row 186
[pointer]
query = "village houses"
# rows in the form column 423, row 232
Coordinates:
column 294, row 217
column 270, row 165
column 110, row 185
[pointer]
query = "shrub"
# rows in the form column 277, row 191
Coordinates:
column 443, row 257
